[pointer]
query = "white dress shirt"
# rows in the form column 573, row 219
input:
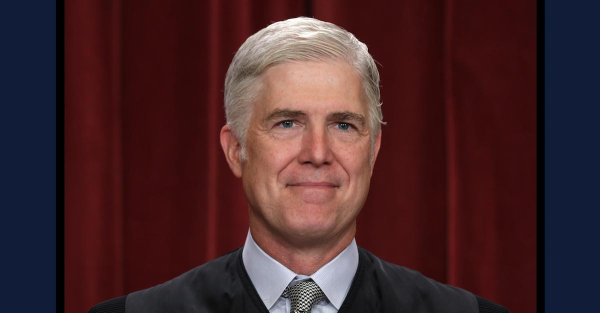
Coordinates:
column 270, row 278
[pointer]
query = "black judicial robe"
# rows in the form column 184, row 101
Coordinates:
column 223, row 285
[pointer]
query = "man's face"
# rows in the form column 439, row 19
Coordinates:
column 307, row 171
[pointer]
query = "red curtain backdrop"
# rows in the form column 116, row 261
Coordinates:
column 149, row 194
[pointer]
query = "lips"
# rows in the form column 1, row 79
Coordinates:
column 313, row 184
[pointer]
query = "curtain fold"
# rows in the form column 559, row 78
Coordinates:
column 149, row 194
column 94, row 211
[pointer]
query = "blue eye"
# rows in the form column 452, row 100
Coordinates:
column 287, row 124
column 343, row 126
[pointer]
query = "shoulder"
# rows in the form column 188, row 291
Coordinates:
column 207, row 279
column 487, row 306
column 411, row 286
column 115, row 305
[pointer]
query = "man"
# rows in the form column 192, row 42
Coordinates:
column 303, row 133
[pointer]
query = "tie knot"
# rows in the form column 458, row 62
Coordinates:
column 303, row 296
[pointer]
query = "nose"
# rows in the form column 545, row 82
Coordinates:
column 316, row 147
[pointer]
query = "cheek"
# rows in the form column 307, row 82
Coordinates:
column 355, row 162
column 270, row 158
column 355, row 156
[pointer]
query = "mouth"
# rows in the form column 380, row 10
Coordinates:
column 314, row 192
column 313, row 185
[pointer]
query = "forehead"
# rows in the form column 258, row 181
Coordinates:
column 312, row 87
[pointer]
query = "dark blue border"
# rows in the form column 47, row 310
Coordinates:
column 60, row 159
column 28, row 156
column 572, row 156
column 541, row 161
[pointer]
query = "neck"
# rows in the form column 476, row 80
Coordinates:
column 302, row 256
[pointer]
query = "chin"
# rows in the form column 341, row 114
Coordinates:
column 311, row 229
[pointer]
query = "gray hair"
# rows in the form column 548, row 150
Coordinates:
column 296, row 39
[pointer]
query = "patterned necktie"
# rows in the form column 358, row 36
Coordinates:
column 303, row 296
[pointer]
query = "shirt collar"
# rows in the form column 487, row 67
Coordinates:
column 270, row 277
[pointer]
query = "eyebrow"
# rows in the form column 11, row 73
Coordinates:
column 284, row 113
column 347, row 116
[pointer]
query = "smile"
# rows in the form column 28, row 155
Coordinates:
column 314, row 185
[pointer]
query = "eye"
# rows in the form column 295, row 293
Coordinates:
column 287, row 124
column 344, row 126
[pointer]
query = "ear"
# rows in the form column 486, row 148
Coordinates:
column 376, row 151
column 232, row 149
